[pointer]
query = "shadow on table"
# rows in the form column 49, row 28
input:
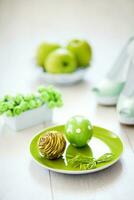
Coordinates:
column 99, row 179
column 38, row 173
column 72, row 183
column 128, row 128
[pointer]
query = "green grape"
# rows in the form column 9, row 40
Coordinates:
column 45, row 97
column 51, row 96
column 7, row 98
column 58, row 95
column 32, row 104
column 51, row 104
column 9, row 113
column 3, row 107
column 11, row 104
column 29, row 97
column 59, row 103
column 38, row 103
column 41, row 89
column 33, row 96
column 1, row 111
column 18, row 104
column 17, row 110
column 55, row 95
column 1, row 102
column 24, row 105
column 18, row 98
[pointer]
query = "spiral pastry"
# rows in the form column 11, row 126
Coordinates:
column 51, row 145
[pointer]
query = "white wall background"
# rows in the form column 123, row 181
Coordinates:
column 23, row 24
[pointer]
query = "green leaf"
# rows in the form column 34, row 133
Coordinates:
column 82, row 162
column 105, row 158
column 85, row 162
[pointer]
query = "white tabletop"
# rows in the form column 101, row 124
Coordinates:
column 23, row 24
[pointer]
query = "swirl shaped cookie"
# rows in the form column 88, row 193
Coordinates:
column 52, row 145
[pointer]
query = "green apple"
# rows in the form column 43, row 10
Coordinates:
column 82, row 50
column 78, row 131
column 60, row 61
column 43, row 50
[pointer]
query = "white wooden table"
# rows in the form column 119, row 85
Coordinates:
column 23, row 24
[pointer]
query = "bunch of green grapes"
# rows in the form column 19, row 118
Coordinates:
column 15, row 105
column 50, row 96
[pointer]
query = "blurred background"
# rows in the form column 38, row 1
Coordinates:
column 24, row 24
column 106, row 25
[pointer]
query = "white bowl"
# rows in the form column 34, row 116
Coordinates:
column 29, row 118
column 65, row 79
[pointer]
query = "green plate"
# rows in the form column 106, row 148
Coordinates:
column 103, row 141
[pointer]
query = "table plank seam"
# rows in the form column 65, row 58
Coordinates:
column 51, row 186
column 129, row 142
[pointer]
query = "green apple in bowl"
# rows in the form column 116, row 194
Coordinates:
column 60, row 61
column 82, row 51
column 43, row 50
column 78, row 131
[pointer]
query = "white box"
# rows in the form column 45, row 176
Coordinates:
column 29, row 118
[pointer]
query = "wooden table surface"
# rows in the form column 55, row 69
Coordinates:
column 23, row 25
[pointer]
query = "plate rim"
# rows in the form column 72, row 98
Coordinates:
column 78, row 172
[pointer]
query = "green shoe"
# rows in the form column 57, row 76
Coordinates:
column 125, row 105
column 108, row 90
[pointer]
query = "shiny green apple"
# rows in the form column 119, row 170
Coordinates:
column 78, row 131
column 60, row 61
column 43, row 51
column 82, row 50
